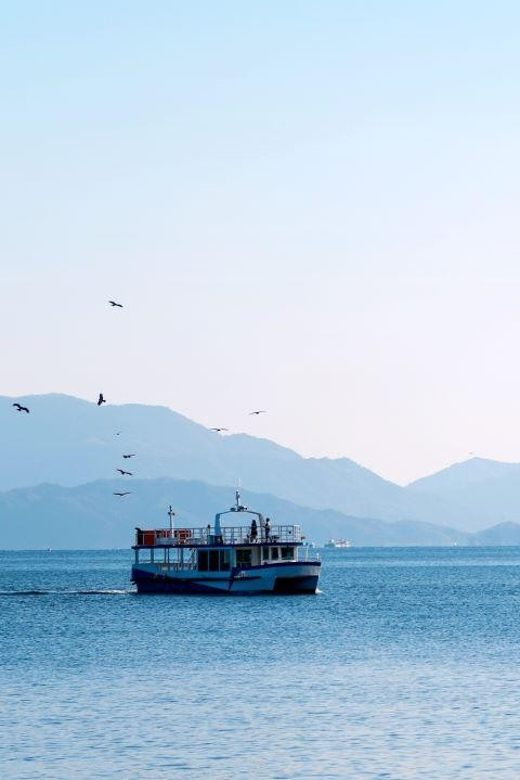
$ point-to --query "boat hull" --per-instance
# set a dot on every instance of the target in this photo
(283, 578)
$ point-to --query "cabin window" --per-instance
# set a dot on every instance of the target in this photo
(244, 557)
(287, 553)
(265, 553)
(214, 560)
(275, 553)
(225, 560)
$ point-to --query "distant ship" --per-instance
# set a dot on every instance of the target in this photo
(237, 559)
(338, 543)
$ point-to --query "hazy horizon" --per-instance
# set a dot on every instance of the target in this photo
(309, 209)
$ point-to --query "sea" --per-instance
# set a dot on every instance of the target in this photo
(404, 665)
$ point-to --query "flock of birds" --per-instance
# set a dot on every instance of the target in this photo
(102, 400)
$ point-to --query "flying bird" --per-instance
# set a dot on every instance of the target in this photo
(123, 472)
(21, 408)
(101, 400)
(118, 433)
(218, 430)
(127, 493)
(259, 411)
(115, 303)
(131, 455)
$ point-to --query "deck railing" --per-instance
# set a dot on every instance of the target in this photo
(230, 535)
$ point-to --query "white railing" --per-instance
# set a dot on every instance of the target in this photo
(186, 537)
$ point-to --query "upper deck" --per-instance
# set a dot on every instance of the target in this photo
(211, 536)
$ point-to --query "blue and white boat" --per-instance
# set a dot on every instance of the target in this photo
(246, 559)
(338, 543)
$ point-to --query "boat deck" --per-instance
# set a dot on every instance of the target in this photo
(228, 535)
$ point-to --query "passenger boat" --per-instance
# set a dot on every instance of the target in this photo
(338, 543)
(225, 559)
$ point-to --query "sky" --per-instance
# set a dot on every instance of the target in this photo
(305, 207)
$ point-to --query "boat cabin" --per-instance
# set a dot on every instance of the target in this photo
(218, 548)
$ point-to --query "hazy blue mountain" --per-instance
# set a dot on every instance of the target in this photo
(485, 492)
(507, 534)
(460, 476)
(89, 516)
(68, 441)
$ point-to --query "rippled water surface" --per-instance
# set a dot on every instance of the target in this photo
(405, 666)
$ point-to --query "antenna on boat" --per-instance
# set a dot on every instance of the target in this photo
(238, 506)
(171, 515)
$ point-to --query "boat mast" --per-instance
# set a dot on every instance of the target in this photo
(171, 514)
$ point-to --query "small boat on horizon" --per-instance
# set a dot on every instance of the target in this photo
(338, 543)
(217, 559)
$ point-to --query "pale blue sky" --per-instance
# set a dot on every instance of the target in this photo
(308, 207)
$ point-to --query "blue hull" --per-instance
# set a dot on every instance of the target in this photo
(161, 583)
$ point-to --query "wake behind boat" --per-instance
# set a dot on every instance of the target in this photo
(237, 559)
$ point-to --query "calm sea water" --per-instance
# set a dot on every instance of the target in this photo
(405, 666)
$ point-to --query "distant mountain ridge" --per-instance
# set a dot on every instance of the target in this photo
(90, 517)
(467, 473)
(69, 441)
(486, 491)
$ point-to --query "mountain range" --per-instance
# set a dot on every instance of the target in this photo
(66, 442)
(89, 517)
